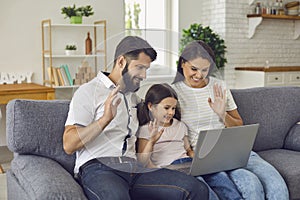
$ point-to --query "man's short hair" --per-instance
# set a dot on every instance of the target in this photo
(132, 46)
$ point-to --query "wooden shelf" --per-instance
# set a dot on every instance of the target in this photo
(66, 87)
(54, 50)
(74, 25)
(270, 69)
(255, 21)
(265, 16)
(74, 56)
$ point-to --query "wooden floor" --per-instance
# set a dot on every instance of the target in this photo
(5, 158)
(3, 187)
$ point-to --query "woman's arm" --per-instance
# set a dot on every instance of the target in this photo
(233, 118)
(229, 118)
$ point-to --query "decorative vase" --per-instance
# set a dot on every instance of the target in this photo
(76, 20)
(70, 52)
(88, 44)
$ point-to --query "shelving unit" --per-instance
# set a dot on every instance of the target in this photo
(56, 36)
(255, 21)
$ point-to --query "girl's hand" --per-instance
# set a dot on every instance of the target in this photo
(219, 103)
(153, 130)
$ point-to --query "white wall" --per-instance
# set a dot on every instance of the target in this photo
(20, 37)
(20, 23)
(273, 39)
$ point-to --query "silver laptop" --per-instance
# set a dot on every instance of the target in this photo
(220, 150)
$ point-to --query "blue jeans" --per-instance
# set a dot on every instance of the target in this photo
(219, 184)
(272, 182)
(247, 183)
(223, 186)
(182, 160)
(102, 182)
(259, 180)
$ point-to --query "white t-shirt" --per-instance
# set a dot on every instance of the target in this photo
(170, 146)
(195, 110)
(87, 106)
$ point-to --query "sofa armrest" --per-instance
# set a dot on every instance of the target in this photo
(292, 140)
(43, 178)
(36, 127)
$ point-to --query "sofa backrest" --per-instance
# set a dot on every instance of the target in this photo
(276, 109)
(36, 127)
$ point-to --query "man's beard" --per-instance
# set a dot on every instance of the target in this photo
(128, 82)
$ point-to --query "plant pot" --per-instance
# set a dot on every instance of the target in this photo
(76, 20)
(70, 52)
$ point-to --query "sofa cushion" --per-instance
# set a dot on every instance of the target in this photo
(36, 127)
(287, 164)
(292, 140)
(276, 109)
(44, 178)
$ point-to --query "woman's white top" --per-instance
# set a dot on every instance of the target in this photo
(195, 110)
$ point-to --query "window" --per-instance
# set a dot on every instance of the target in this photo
(153, 20)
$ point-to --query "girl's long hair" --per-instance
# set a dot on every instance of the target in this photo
(155, 95)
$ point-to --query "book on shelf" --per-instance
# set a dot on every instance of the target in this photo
(64, 76)
(60, 77)
(66, 68)
(52, 74)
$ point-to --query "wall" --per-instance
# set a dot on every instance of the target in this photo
(273, 39)
(21, 33)
(20, 24)
(20, 40)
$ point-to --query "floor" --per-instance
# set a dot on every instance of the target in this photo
(5, 158)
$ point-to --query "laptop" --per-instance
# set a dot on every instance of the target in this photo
(220, 150)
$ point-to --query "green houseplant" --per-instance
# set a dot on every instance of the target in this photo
(76, 14)
(206, 34)
(70, 49)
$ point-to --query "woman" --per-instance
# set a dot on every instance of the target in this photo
(207, 104)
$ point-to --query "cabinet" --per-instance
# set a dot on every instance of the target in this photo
(247, 77)
(255, 21)
(56, 36)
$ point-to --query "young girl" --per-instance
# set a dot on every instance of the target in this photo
(162, 137)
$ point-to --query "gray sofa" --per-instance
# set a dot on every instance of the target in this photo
(41, 170)
(277, 110)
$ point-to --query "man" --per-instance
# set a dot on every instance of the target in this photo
(101, 127)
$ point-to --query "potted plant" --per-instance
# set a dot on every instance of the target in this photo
(70, 49)
(76, 14)
(206, 34)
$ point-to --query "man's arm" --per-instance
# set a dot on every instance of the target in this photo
(75, 137)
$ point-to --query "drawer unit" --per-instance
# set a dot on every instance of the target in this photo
(247, 77)
(292, 78)
(274, 78)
